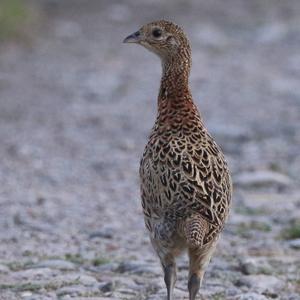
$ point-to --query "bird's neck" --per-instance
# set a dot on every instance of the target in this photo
(175, 98)
(175, 77)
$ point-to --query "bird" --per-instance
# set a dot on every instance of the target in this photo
(185, 182)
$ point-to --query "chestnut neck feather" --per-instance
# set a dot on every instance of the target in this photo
(175, 98)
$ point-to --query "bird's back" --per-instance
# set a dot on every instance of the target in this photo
(185, 183)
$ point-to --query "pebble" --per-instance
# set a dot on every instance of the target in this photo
(106, 233)
(106, 267)
(250, 296)
(56, 264)
(93, 298)
(72, 291)
(295, 244)
(4, 269)
(36, 273)
(26, 294)
(84, 279)
(253, 265)
(262, 179)
(261, 283)
(106, 286)
(138, 268)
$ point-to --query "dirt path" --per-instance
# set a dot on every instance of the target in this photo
(75, 110)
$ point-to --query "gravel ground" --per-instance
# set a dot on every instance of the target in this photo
(76, 106)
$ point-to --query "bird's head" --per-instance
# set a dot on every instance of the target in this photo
(164, 38)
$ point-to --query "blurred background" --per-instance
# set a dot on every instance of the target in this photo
(76, 107)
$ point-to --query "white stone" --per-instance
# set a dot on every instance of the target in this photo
(4, 269)
(26, 294)
(295, 244)
(56, 264)
(262, 178)
(262, 283)
(250, 296)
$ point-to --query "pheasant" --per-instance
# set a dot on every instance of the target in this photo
(185, 182)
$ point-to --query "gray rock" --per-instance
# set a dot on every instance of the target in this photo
(295, 244)
(72, 291)
(78, 290)
(106, 267)
(106, 233)
(261, 283)
(250, 296)
(262, 179)
(56, 264)
(125, 293)
(106, 286)
(293, 296)
(4, 269)
(26, 294)
(232, 291)
(35, 273)
(161, 294)
(137, 267)
(92, 298)
(83, 279)
(254, 265)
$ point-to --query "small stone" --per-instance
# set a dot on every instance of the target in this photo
(26, 294)
(83, 279)
(250, 296)
(35, 273)
(293, 296)
(261, 283)
(106, 233)
(232, 291)
(125, 292)
(252, 265)
(106, 287)
(4, 269)
(106, 267)
(78, 289)
(56, 264)
(87, 280)
(262, 179)
(72, 291)
(96, 298)
(295, 244)
(137, 268)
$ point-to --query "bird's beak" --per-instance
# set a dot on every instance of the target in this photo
(133, 38)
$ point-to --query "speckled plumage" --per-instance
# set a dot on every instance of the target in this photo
(185, 182)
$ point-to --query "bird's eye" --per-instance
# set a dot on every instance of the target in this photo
(156, 32)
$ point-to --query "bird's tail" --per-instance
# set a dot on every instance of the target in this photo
(195, 229)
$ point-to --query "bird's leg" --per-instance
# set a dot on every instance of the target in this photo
(199, 259)
(170, 279)
(194, 285)
(169, 268)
